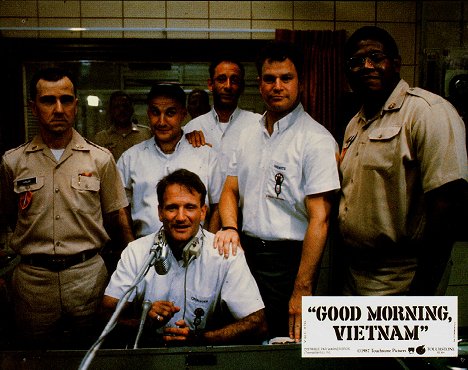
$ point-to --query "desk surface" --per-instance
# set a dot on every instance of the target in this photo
(220, 357)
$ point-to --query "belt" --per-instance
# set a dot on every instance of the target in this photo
(252, 242)
(58, 262)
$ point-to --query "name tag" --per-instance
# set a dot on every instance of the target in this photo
(26, 182)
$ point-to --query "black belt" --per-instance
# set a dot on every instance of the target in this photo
(248, 241)
(58, 262)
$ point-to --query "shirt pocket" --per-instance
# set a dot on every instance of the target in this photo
(282, 178)
(198, 308)
(380, 151)
(86, 193)
(28, 190)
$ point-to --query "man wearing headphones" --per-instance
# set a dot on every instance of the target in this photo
(194, 286)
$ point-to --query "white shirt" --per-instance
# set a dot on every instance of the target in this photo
(144, 164)
(275, 174)
(211, 280)
(224, 136)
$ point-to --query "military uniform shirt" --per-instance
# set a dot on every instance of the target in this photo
(60, 204)
(416, 144)
(118, 143)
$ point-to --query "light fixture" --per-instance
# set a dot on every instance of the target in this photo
(93, 101)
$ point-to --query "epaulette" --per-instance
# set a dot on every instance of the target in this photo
(428, 96)
(105, 150)
(22, 146)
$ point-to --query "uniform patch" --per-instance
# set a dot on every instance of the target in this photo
(25, 200)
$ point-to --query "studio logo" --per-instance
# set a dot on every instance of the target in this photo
(419, 350)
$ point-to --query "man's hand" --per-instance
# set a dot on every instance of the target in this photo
(197, 139)
(162, 311)
(295, 316)
(179, 334)
(225, 240)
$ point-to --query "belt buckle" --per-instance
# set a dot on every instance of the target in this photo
(59, 264)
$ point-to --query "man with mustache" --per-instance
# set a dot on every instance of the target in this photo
(144, 164)
(404, 170)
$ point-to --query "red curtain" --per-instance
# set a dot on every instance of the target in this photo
(324, 79)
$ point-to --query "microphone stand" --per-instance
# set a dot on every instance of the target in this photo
(120, 306)
(146, 307)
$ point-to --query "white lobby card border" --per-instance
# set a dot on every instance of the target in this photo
(388, 326)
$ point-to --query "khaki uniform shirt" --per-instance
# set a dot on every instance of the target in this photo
(60, 204)
(414, 145)
(118, 143)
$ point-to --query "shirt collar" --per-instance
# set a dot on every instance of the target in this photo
(113, 130)
(77, 143)
(287, 121)
(152, 141)
(233, 116)
(394, 102)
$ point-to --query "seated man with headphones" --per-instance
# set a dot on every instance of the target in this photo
(191, 286)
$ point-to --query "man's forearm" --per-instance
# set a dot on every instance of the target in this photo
(439, 236)
(228, 210)
(251, 329)
(214, 222)
(119, 226)
(312, 250)
(125, 223)
(319, 209)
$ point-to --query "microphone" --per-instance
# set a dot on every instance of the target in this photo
(162, 263)
(145, 308)
(199, 312)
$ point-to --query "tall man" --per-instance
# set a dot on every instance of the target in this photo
(199, 284)
(404, 168)
(222, 125)
(144, 164)
(56, 191)
(122, 133)
(284, 173)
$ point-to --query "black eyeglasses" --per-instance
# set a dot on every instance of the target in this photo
(356, 63)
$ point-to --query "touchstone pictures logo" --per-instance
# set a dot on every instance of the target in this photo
(419, 350)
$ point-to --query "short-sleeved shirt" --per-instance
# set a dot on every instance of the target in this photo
(414, 145)
(118, 143)
(60, 203)
(212, 281)
(144, 164)
(224, 136)
(275, 174)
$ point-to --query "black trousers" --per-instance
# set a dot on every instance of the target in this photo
(274, 265)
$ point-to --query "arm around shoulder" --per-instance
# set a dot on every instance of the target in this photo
(228, 210)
